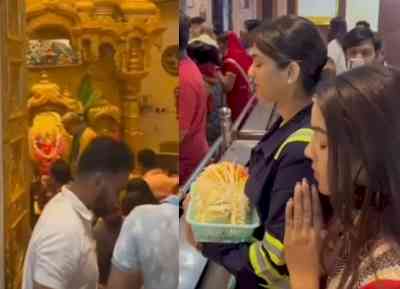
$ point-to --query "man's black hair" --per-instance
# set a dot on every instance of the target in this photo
(357, 36)
(106, 155)
(147, 158)
(138, 193)
(363, 23)
(202, 53)
(60, 172)
(337, 29)
(252, 24)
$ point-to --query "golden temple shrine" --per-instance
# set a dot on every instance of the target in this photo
(112, 62)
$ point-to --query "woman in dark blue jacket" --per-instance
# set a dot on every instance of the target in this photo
(289, 56)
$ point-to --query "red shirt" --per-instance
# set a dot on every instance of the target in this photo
(238, 62)
(240, 94)
(192, 118)
(209, 70)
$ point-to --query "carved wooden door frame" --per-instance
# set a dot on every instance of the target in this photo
(14, 164)
(2, 199)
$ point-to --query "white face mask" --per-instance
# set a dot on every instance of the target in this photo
(355, 62)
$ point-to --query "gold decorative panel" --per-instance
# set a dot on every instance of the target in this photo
(14, 22)
(17, 218)
(15, 91)
(16, 165)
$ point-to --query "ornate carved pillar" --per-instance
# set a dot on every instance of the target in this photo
(144, 22)
(133, 135)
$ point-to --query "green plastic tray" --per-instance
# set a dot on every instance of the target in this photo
(220, 233)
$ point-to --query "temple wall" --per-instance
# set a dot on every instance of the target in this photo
(162, 127)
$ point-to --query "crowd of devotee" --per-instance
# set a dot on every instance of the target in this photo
(324, 179)
(224, 62)
(109, 222)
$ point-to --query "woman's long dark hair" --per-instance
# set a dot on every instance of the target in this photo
(363, 125)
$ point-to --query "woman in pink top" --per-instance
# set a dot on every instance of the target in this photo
(192, 109)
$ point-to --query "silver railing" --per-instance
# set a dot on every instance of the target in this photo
(228, 134)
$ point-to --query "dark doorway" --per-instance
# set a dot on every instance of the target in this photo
(389, 28)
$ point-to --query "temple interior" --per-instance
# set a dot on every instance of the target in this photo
(114, 62)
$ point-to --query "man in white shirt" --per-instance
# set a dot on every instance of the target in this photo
(335, 52)
(62, 251)
(147, 250)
